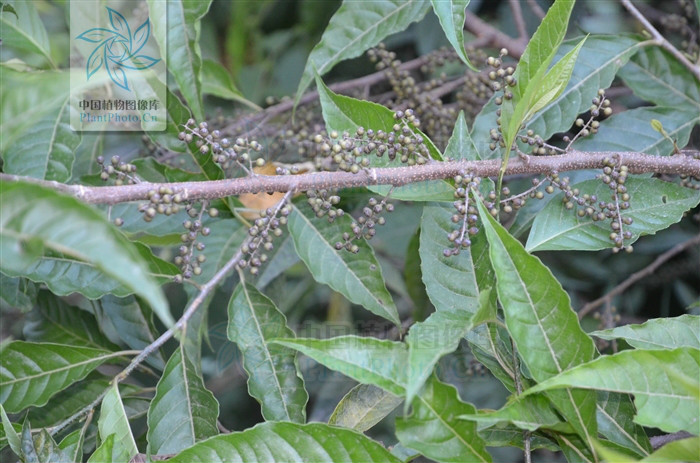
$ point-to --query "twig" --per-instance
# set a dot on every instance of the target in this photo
(519, 20)
(204, 292)
(539, 12)
(660, 39)
(659, 441)
(155, 345)
(635, 277)
(682, 164)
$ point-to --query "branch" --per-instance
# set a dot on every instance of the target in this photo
(638, 163)
(659, 441)
(635, 277)
(496, 38)
(284, 106)
(519, 20)
(661, 40)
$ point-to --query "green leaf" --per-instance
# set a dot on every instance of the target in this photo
(10, 432)
(68, 401)
(414, 279)
(342, 113)
(65, 274)
(132, 322)
(281, 258)
(41, 448)
(36, 217)
(461, 145)
(105, 453)
(433, 428)
(177, 23)
(654, 205)
(615, 417)
(274, 379)
(21, 110)
(24, 30)
(680, 450)
(363, 407)
(355, 27)
(659, 333)
(452, 286)
(450, 281)
(630, 131)
(543, 45)
(222, 243)
(285, 442)
(217, 81)
(52, 320)
(529, 412)
(16, 293)
(358, 277)
(490, 345)
(509, 436)
(47, 151)
(451, 16)
(113, 421)
(183, 410)
(541, 322)
(656, 76)
(364, 359)
(72, 445)
(598, 62)
(574, 448)
(532, 67)
(555, 81)
(33, 372)
(664, 383)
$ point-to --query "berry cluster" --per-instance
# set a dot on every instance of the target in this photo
(365, 224)
(349, 151)
(501, 78)
(408, 92)
(466, 215)
(118, 169)
(684, 23)
(600, 107)
(690, 181)
(586, 205)
(225, 152)
(262, 233)
(162, 201)
(323, 202)
(614, 175)
(187, 259)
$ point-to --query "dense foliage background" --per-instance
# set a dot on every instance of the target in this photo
(412, 348)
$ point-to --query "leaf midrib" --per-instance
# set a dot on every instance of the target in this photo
(268, 357)
(67, 367)
(335, 253)
(451, 428)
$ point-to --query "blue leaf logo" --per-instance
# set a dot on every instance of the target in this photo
(118, 48)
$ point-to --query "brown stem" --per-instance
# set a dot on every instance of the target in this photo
(519, 20)
(496, 38)
(682, 164)
(635, 277)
